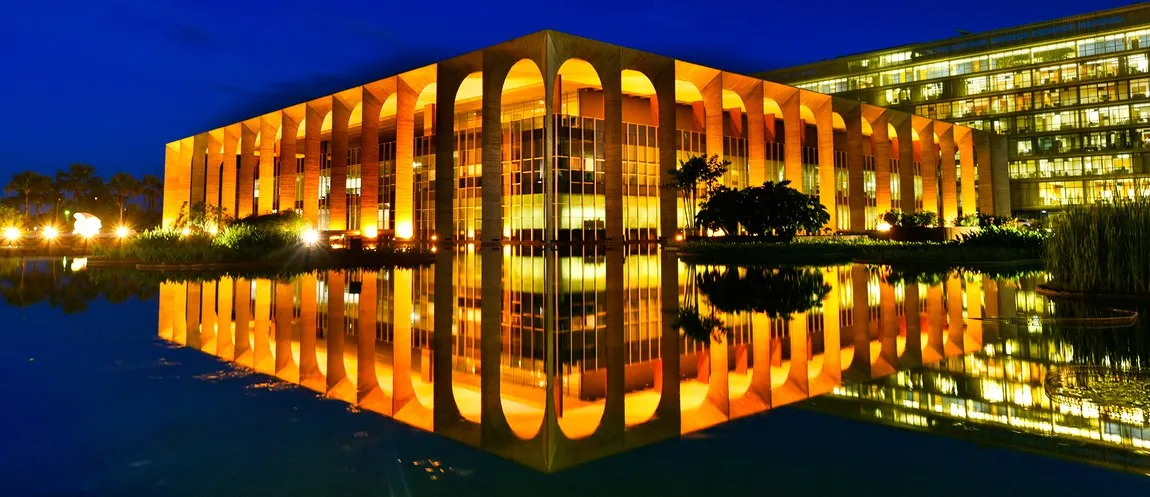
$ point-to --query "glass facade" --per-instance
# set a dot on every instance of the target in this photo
(1076, 103)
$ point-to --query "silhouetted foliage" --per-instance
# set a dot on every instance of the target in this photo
(778, 292)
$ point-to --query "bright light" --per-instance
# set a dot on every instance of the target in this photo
(79, 264)
(186, 231)
(122, 232)
(86, 225)
(403, 230)
(370, 232)
(883, 226)
(11, 234)
(679, 237)
(49, 233)
(310, 237)
(213, 230)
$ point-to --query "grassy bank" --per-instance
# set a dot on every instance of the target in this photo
(1101, 249)
(990, 246)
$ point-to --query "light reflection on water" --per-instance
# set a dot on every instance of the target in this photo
(556, 358)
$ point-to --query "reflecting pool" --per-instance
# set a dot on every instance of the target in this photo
(499, 371)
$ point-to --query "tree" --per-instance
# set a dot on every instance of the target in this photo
(689, 176)
(198, 218)
(777, 211)
(28, 183)
(9, 217)
(75, 181)
(151, 188)
(722, 211)
(123, 188)
(777, 292)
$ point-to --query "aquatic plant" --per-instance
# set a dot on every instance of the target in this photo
(1101, 248)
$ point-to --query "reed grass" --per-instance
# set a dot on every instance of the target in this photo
(1101, 248)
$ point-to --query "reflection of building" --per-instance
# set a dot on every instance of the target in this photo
(1072, 94)
(560, 358)
(424, 153)
(996, 394)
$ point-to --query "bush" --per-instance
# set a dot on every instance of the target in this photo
(240, 242)
(969, 220)
(1003, 236)
(910, 219)
(773, 211)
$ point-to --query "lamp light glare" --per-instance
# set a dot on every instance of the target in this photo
(122, 232)
(310, 237)
(49, 233)
(11, 234)
(883, 226)
(186, 231)
(370, 232)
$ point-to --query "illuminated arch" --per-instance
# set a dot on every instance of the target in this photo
(522, 104)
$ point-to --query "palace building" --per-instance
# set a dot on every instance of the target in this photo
(551, 137)
(1072, 95)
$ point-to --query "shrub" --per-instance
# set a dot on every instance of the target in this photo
(910, 219)
(1003, 236)
(968, 220)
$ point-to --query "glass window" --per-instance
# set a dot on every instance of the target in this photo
(1053, 53)
(1013, 58)
(1140, 88)
(1097, 69)
(932, 71)
(1054, 121)
(1140, 113)
(930, 91)
(1053, 75)
(1106, 116)
(1055, 98)
(1136, 64)
(1101, 45)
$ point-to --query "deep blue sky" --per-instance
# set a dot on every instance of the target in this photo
(110, 82)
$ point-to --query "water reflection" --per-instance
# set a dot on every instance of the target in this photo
(552, 358)
(60, 284)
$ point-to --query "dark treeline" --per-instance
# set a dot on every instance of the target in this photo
(34, 199)
(25, 282)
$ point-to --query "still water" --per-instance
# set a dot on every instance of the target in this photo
(568, 372)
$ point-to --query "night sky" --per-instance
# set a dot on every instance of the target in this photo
(109, 83)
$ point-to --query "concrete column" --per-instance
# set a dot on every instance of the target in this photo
(856, 197)
(199, 167)
(712, 93)
(313, 125)
(340, 113)
(756, 137)
(369, 166)
(981, 144)
(269, 126)
(902, 125)
(788, 100)
(965, 139)
(230, 175)
(405, 159)
(185, 160)
(882, 155)
(290, 120)
(949, 173)
(611, 79)
(824, 120)
(491, 181)
(929, 165)
(248, 164)
(664, 83)
(449, 75)
(999, 175)
(215, 156)
(175, 194)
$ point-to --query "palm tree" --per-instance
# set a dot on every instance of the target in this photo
(27, 183)
(123, 187)
(75, 180)
(152, 188)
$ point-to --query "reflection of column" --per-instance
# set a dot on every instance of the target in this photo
(863, 366)
(613, 421)
(208, 311)
(949, 175)
(284, 314)
(310, 375)
(243, 346)
(935, 320)
(880, 135)
(888, 324)
(446, 414)
(168, 291)
(990, 302)
(955, 324)
(974, 339)
(405, 158)
(912, 351)
(797, 384)
(340, 114)
(180, 316)
(667, 383)
(368, 394)
(193, 330)
(225, 339)
(269, 125)
(338, 385)
(831, 373)
(492, 419)
(246, 182)
(262, 359)
(401, 305)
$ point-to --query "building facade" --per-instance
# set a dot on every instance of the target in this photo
(551, 138)
(1072, 95)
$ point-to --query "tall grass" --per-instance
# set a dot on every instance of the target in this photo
(1101, 248)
